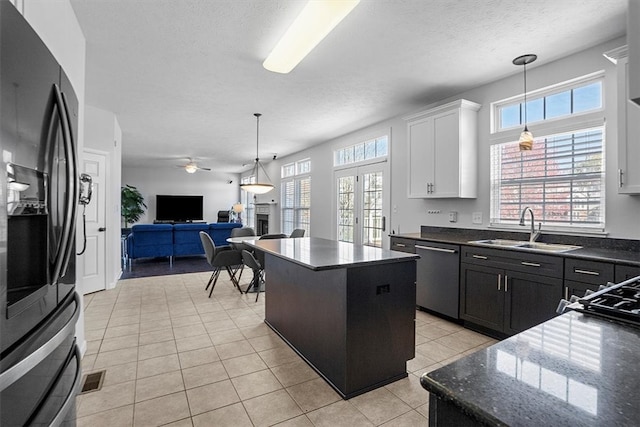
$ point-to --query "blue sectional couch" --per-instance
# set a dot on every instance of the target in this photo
(169, 240)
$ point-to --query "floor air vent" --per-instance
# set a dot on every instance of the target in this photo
(92, 382)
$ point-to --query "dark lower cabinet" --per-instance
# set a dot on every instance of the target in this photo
(625, 272)
(444, 413)
(529, 300)
(507, 301)
(481, 296)
(581, 275)
(578, 289)
(497, 292)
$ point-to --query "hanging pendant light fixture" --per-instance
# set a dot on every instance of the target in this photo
(258, 187)
(526, 137)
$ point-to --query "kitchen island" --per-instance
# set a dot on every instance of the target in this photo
(573, 370)
(348, 310)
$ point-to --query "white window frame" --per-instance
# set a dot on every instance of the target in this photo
(552, 123)
(349, 153)
(558, 125)
(295, 174)
(248, 200)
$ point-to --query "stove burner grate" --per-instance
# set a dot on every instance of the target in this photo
(619, 301)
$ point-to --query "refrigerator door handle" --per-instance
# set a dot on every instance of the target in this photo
(71, 398)
(18, 370)
(73, 178)
(62, 253)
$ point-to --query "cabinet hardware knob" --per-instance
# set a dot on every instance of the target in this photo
(499, 280)
(479, 256)
(401, 245)
(506, 283)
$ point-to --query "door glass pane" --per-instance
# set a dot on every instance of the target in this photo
(346, 206)
(372, 209)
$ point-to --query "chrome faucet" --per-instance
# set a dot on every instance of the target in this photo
(534, 234)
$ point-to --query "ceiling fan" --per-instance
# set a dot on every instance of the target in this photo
(192, 167)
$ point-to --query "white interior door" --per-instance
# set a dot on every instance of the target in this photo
(94, 258)
(362, 205)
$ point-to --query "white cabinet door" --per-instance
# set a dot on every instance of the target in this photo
(628, 125)
(421, 147)
(633, 40)
(443, 151)
(446, 165)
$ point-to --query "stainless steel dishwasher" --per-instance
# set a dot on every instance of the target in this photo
(437, 280)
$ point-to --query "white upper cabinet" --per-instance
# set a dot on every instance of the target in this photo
(628, 129)
(633, 41)
(443, 151)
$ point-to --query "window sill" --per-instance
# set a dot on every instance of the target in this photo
(581, 232)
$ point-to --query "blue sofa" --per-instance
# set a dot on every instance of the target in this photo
(169, 240)
(186, 238)
(150, 241)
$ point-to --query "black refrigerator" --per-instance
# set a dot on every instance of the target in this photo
(39, 306)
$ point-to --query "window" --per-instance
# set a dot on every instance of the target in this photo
(562, 178)
(247, 201)
(296, 196)
(555, 103)
(362, 151)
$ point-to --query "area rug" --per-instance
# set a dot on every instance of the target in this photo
(147, 267)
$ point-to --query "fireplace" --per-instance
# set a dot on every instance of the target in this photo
(262, 224)
(265, 213)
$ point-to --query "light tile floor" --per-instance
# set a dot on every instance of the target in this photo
(175, 357)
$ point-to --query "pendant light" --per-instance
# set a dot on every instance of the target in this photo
(526, 137)
(258, 187)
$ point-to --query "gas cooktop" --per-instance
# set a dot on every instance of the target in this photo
(620, 301)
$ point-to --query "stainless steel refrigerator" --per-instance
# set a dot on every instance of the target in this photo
(39, 306)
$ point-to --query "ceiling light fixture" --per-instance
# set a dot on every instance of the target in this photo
(258, 187)
(316, 20)
(191, 168)
(526, 137)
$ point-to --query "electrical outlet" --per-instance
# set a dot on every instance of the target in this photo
(477, 218)
(453, 216)
(433, 211)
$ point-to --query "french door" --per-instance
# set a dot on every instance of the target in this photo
(362, 204)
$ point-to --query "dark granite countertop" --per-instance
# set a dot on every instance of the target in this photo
(322, 254)
(593, 248)
(573, 370)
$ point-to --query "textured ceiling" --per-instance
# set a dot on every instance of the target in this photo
(185, 77)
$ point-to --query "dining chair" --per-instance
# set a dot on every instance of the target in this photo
(258, 272)
(298, 232)
(273, 236)
(229, 259)
(242, 232)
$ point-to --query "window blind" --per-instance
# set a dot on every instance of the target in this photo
(561, 179)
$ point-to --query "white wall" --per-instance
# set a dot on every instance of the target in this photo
(408, 215)
(103, 133)
(218, 193)
(56, 24)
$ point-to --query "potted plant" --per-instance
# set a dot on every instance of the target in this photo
(132, 205)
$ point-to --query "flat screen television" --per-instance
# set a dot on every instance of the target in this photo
(179, 208)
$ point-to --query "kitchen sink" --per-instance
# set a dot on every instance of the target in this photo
(500, 242)
(549, 247)
(520, 244)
